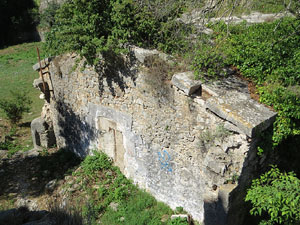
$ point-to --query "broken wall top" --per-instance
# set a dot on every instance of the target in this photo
(230, 99)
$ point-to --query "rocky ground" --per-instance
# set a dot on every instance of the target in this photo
(33, 183)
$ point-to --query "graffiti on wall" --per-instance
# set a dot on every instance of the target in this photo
(164, 159)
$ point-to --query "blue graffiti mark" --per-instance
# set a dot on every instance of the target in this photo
(164, 160)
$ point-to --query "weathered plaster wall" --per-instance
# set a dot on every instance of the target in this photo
(164, 140)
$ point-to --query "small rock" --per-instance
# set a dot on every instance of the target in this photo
(114, 206)
(31, 153)
(71, 189)
(13, 194)
(51, 185)
(68, 177)
(164, 218)
(108, 173)
(76, 186)
(29, 203)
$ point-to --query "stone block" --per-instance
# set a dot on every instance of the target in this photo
(185, 82)
(141, 53)
(224, 194)
(44, 63)
(231, 127)
(41, 136)
(248, 115)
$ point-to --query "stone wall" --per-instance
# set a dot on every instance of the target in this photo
(164, 139)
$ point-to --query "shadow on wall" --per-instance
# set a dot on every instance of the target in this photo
(231, 209)
(214, 213)
(238, 209)
(114, 68)
(76, 132)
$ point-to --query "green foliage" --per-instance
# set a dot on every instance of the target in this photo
(16, 106)
(276, 195)
(208, 61)
(97, 26)
(269, 55)
(134, 206)
(141, 208)
(178, 221)
(265, 52)
(98, 161)
(287, 103)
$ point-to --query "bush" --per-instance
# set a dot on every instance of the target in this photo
(15, 107)
(277, 196)
(268, 54)
(97, 26)
(208, 61)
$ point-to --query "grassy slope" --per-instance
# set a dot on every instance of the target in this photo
(16, 74)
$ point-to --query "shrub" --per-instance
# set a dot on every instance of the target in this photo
(276, 195)
(96, 26)
(15, 107)
(208, 61)
(268, 54)
(92, 164)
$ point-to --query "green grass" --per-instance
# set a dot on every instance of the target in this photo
(102, 184)
(16, 73)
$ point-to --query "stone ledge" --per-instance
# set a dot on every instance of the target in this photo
(44, 63)
(231, 101)
(248, 115)
(185, 82)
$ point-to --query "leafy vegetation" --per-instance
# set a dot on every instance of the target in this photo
(16, 106)
(269, 55)
(92, 27)
(114, 199)
(276, 195)
(16, 74)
